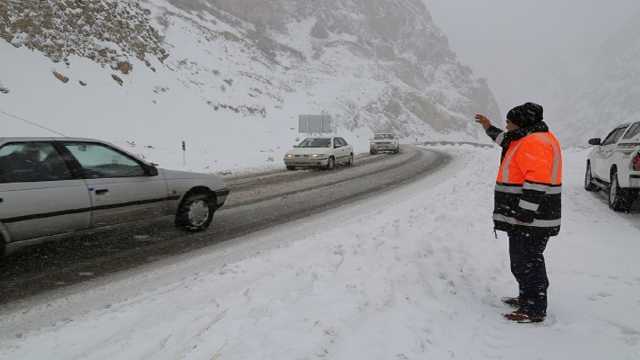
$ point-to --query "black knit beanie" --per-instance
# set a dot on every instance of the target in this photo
(526, 115)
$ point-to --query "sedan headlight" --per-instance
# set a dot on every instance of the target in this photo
(319, 156)
(289, 156)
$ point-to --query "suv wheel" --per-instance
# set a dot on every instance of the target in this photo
(195, 213)
(588, 180)
(619, 199)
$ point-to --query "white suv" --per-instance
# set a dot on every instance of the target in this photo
(614, 165)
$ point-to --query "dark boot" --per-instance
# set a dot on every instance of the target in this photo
(514, 302)
(521, 317)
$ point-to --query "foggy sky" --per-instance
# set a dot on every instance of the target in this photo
(529, 50)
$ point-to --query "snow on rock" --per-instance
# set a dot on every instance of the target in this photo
(415, 273)
(231, 77)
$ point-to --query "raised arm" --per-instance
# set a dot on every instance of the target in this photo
(493, 132)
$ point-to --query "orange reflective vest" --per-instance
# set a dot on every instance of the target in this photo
(528, 193)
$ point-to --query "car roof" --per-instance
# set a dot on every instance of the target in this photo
(5, 140)
(58, 138)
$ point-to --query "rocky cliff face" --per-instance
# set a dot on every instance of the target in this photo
(207, 68)
(424, 84)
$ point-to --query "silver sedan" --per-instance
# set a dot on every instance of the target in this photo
(56, 186)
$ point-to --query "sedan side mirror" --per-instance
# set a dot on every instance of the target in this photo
(151, 170)
(595, 142)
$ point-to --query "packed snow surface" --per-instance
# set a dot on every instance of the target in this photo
(415, 273)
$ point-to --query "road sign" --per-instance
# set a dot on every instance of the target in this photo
(315, 124)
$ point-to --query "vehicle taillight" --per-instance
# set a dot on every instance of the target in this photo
(635, 163)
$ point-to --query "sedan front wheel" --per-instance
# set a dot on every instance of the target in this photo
(331, 163)
(195, 213)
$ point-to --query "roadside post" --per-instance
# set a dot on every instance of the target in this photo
(184, 153)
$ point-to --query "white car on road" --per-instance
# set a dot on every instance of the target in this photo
(319, 152)
(384, 142)
(55, 186)
(614, 165)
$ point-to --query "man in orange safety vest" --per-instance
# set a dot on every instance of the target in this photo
(527, 202)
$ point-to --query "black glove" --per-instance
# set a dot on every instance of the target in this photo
(524, 216)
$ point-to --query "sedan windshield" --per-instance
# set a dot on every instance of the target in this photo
(315, 143)
(383, 136)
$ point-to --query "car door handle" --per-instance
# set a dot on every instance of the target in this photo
(101, 191)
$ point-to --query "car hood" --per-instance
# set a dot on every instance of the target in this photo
(309, 151)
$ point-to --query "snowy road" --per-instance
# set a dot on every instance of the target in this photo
(257, 201)
(414, 273)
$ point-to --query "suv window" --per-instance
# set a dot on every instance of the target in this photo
(32, 162)
(633, 131)
(614, 136)
(100, 161)
(344, 142)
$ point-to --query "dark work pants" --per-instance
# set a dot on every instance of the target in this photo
(527, 265)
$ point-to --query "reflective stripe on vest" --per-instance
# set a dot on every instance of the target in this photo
(536, 223)
(528, 205)
(506, 164)
(509, 189)
(550, 190)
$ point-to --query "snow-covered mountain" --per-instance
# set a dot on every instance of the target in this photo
(230, 77)
(609, 93)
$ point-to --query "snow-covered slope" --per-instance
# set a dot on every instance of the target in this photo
(609, 93)
(230, 77)
(413, 274)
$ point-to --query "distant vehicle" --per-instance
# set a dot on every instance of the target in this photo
(614, 165)
(319, 152)
(384, 142)
(56, 186)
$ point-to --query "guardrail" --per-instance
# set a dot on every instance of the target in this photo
(444, 142)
